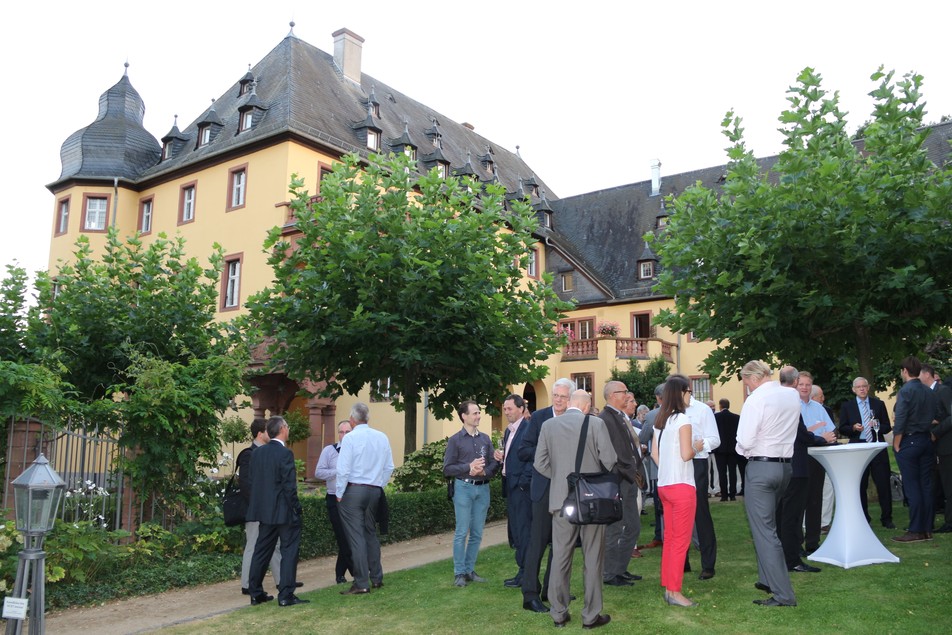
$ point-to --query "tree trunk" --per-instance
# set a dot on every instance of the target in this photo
(410, 398)
(864, 356)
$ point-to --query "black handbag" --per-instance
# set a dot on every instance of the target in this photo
(234, 507)
(593, 499)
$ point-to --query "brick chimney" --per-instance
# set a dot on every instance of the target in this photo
(347, 48)
(655, 177)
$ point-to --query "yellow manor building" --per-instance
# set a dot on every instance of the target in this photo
(224, 179)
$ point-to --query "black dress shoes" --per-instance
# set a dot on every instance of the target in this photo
(706, 574)
(355, 590)
(619, 581)
(601, 620)
(568, 618)
(536, 606)
(245, 591)
(888, 524)
(771, 602)
(261, 599)
(376, 585)
(631, 577)
(762, 587)
(804, 568)
(298, 585)
(513, 583)
(293, 600)
(341, 579)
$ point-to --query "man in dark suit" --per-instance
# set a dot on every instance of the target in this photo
(857, 419)
(726, 453)
(555, 459)
(621, 537)
(259, 437)
(274, 504)
(942, 433)
(540, 531)
(517, 476)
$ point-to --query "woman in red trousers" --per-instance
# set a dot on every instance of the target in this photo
(673, 451)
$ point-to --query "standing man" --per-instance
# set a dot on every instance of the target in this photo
(942, 434)
(259, 437)
(472, 461)
(647, 438)
(621, 537)
(705, 426)
(326, 471)
(765, 435)
(540, 533)
(555, 459)
(274, 504)
(817, 421)
(793, 500)
(916, 409)
(363, 469)
(726, 455)
(516, 478)
(856, 419)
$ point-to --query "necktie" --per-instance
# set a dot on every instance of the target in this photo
(867, 429)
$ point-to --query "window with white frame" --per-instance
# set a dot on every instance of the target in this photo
(645, 269)
(641, 325)
(145, 216)
(247, 118)
(62, 217)
(568, 281)
(239, 179)
(187, 204)
(584, 381)
(231, 290)
(380, 390)
(701, 388)
(532, 269)
(96, 213)
(204, 135)
(442, 169)
(373, 140)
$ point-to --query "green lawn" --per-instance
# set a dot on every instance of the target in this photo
(910, 597)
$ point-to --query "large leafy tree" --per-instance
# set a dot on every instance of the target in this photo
(836, 259)
(410, 279)
(133, 331)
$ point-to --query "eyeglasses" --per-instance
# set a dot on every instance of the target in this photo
(688, 390)
(618, 392)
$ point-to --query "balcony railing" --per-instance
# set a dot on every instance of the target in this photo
(624, 348)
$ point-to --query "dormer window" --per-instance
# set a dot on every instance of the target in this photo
(410, 151)
(373, 140)
(167, 150)
(645, 270)
(247, 119)
(245, 89)
(547, 220)
(443, 169)
(204, 135)
(662, 221)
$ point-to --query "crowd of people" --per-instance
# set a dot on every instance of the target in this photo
(671, 452)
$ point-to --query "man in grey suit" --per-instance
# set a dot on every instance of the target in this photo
(555, 459)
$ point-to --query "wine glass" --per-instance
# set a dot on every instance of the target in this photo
(874, 423)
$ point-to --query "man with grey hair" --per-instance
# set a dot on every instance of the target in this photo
(621, 537)
(540, 529)
(765, 435)
(363, 469)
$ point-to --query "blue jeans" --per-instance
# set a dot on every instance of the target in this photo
(470, 502)
(916, 459)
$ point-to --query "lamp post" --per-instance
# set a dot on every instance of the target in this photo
(37, 496)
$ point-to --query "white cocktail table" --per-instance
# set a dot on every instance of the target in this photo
(851, 541)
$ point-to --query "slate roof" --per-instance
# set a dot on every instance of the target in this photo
(302, 93)
(115, 144)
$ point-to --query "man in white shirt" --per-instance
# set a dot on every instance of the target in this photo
(363, 469)
(765, 435)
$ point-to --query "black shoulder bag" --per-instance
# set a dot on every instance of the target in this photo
(593, 499)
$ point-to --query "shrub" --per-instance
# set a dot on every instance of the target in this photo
(422, 470)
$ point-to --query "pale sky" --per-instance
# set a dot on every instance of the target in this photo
(590, 92)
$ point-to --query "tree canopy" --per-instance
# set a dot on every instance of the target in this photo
(411, 283)
(835, 257)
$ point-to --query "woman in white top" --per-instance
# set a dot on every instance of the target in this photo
(673, 450)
